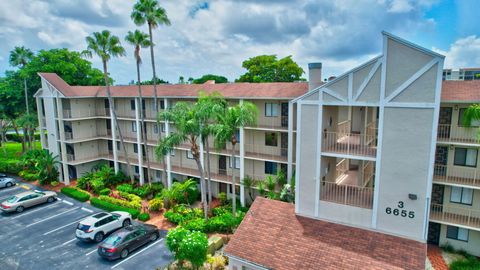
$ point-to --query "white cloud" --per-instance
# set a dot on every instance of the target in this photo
(464, 52)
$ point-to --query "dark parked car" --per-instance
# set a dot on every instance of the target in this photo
(126, 240)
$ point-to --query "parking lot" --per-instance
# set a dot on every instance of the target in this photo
(43, 237)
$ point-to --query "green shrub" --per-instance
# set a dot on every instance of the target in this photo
(142, 191)
(155, 204)
(181, 213)
(222, 197)
(128, 188)
(143, 217)
(470, 263)
(188, 245)
(29, 176)
(10, 166)
(196, 224)
(224, 223)
(76, 193)
(97, 184)
(109, 206)
(131, 198)
(156, 188)
(105, 191)
(123, 203)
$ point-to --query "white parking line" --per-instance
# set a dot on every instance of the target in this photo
(69, 241)
(86, 210)
(91, 252)
(45, 219)
(159, 241)
(9, 189)
(67, 202)
(36, 210)
(59, 228)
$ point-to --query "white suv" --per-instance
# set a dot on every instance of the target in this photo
(95, 227)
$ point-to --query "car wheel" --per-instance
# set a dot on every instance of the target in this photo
(20, 209)
(50, 199)
(9, 184)
(98, 237)
(153, 237)
(126, 223)
(124, 253)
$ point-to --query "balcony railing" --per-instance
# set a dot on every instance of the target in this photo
(70, 157)
(92, 112)
(449, 133)
(455, 215)
(349, 143)
(68, 135)
(259, 151)
(457, 175)
(341, 168)
(346, 194)
(275, 123)
(368, 173)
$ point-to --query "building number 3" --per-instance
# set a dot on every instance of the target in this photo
(400, 211)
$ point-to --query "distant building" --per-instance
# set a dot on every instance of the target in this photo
(462, 74)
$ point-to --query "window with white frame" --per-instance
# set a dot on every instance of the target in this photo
(137, 170)
(155, 128)
(461, 195)
(172, 153)
(135, 148)
(134, 127)
(189, 154)
(271, 109)
(465, 157)
(162, 126)
(457, 233)
(270, 167)
(132, 104)
(159, 174)
(237, 162)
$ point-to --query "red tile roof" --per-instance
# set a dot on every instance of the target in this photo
(461, 91)
(228, 90)
(271, 235)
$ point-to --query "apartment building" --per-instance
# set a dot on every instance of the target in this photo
(77, 126)
(462, 74)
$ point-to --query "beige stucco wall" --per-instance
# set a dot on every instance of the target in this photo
(472, 246)
(475, 202)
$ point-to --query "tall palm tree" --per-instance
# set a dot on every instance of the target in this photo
(150, 12)
(207, 107)
(105, 45)
(140, 40)
(187, 129)
(228, 123)
(19, 57)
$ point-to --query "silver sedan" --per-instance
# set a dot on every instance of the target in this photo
(19, 202)
(6, 181)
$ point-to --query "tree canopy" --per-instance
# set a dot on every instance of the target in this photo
(69, 65)
(267, 68)
(210, 77)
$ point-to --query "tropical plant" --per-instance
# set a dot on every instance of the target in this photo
(262, 188)
(105, 45)
(19, 57)
(270, 182)
(248, 182)
(46, 167)
(228, 123)
(188, 245)
(140, 40)
(188, 129)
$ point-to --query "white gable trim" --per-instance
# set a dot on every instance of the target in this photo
(367, 79)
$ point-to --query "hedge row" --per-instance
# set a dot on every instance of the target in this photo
(108, 206)
(18, 138)
(75, 193)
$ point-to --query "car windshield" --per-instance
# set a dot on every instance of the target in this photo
(83, 227)
(41, 193)
(12, 199)
(113, 240)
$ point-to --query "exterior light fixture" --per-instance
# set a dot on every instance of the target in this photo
(412, 197)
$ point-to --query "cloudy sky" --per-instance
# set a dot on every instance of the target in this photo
(215, 36)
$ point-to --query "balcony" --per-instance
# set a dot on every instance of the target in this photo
(455, 216)
(350, 143)
(346, 194)
(463, 176)
(71, 138)
(262, 152)
(279, 123)
(89, 113)
(454, 134)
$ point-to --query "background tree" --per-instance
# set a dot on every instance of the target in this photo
(19, 57)
(228, 123)
(187, 129)
(266, 68)
(210, 77)
(105, 45)
(140, 40)
(158, 81)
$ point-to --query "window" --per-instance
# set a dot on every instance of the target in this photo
(143, 104)
(162, 126)
(465, 157)
(271, 109)
(461, 195)
(155, 128)
(237, 134)
(162, 104)
(189, 154)
(461, 112)
(134, 127)
(118, 146)
(172, 153)
(270, 167)
(237, 162)
(159, 174)
(132, 104)
(271, 139)
(135, 148)
(457, 233)
(137, 170)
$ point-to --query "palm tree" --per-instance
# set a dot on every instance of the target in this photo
(46, 165)
(248, 182)
(188, 129)
(207, 108)
(105, 45)
(140, 40)
(19, 57)
(228, 123)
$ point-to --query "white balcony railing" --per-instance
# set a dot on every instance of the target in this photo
(70, 157)
(368, 173)
(260, 151)
(349, 143)
(449, 133)
(344, 127)
(346, 194)
(341, 168)
(455, 215)
(457, 175)
(68, 135)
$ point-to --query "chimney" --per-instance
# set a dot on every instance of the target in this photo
(209, 82)
(314, 75)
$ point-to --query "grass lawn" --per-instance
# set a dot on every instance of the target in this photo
(13, 150)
